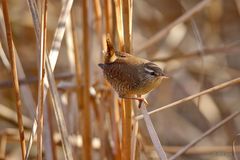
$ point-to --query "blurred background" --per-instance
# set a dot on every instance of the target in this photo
(197, 53)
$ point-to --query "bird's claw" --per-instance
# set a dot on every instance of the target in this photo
(142, 100)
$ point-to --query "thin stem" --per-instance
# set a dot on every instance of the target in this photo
(224, 49)
(215, 88)
(33, 80)
(53, 55)
(86, 126)
(158, 36)
(14, 76)
(41, 80)
(153, 134)
(208, 132)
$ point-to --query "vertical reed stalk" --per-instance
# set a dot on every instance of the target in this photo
(14, 76)
(41, 77)
(51, 128)
(127, 108)
(78, 71)
(115, 124)
(108, 16)
(77, 61)
(126, 129)
(86, 126)
(119, 20)
(98, 16)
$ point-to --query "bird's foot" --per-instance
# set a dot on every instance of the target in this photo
(140, 99)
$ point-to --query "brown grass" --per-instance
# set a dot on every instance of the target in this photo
(84, 117)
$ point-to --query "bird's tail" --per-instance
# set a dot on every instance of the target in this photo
(110, 55)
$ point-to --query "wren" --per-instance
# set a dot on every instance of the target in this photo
(130, 75)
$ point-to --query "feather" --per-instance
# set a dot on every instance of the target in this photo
(101, 65)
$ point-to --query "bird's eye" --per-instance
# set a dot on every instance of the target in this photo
(152, 73)
(149, 71)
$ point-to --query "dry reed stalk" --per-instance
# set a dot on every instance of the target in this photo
(98, 16)
(53, 56)
(224, 49)
(123, 29)
(57, 106)
(86, 125)
(215, 88)
(9, 115)
(77, 62)
(113, 111)
(202, 149)
(51, 129)
(25, 92)
(14, 76)
(126, 129)
(115, 119)
(108, 16)
(127, 108)
(158, 36)
(127, 24)
(134, 140)
(47, 142)
(3, 146)
(205, 134)
(99, 115)
(119, 21)
(153, 134)
(33, 80)
(78, 79)
(41, 78)
(235, 147)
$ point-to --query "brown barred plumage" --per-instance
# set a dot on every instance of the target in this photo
(130, 75)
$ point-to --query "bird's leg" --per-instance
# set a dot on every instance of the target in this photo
(139, 98)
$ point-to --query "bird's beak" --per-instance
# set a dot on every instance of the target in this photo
(165, 77)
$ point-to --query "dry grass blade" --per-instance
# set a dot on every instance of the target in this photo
(235, 147)
(14, 76)
(227, 49)
(33, 80)
(48, 142)
(59, 33)
(86, 125)
(57, 106)
(208, 132)
(153, 134)
(158, 36)
(77, 62)
(202, 53)
(41, 78)
(215, 88)
(10, 116)
(58, 36)
(201, 149)
(33, 9)
(26, 94)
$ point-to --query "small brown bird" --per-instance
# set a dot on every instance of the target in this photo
(130, 75)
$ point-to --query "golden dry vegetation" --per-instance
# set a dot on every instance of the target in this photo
(51, 67)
